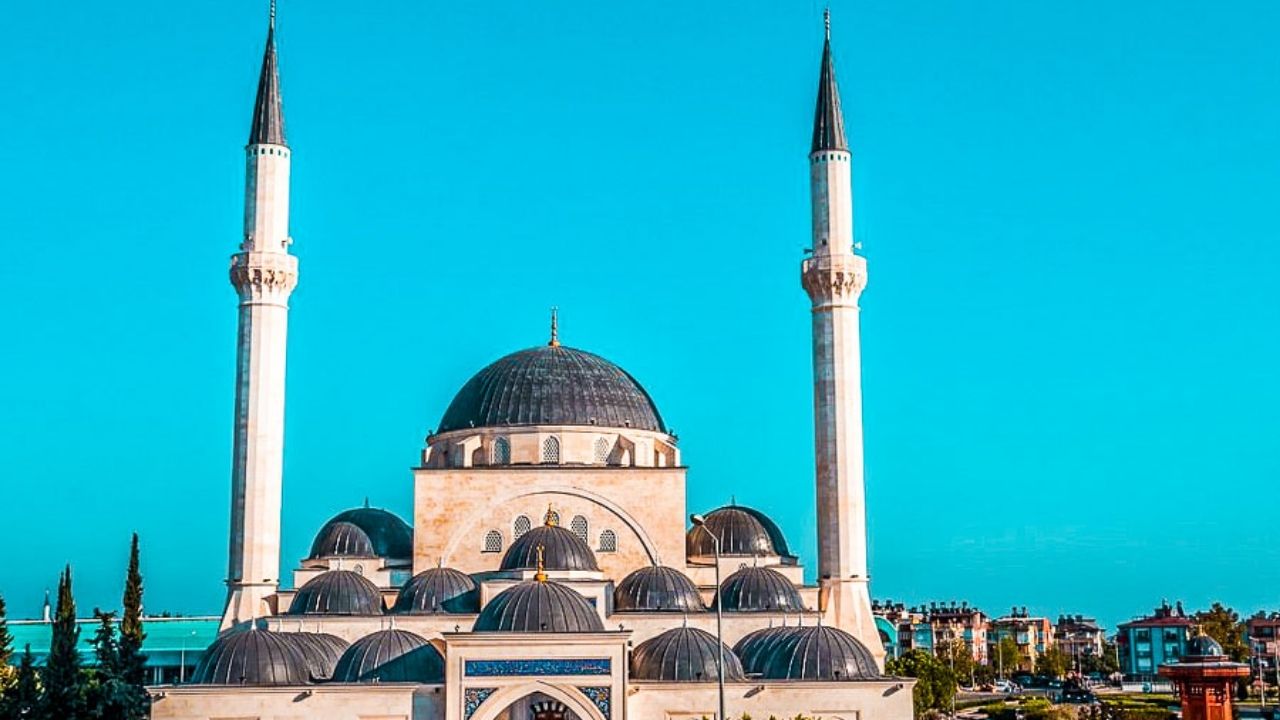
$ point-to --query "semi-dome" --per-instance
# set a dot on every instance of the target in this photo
(385, 533)
(320, 650)
(538, 606)
(754, 647)
(741, 534)
(552, 385)
(341, 539)
(252, 657)
(683, 654)
(657, 589)
(337, 592)
(562, 550)
(819, 653)
(390, 656)
(438, 590)
(759, 589)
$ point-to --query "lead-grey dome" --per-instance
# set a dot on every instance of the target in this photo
(438, 590)
(683, 654)
(251, 657)
(759, 589)
(754, 647)
(657, 589)
(384, 532)
(390, 656)
(562, 550)
(552, 385)
(337, 592)
(818, 653)
(740, 531)
(538, 606)
(1204, 646)
(320, 650)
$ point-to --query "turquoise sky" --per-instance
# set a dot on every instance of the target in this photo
(1069, 210)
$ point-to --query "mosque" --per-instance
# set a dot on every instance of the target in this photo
(552, 570)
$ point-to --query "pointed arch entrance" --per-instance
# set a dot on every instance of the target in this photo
(569, 702)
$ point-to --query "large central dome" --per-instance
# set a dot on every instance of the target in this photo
(552, 385)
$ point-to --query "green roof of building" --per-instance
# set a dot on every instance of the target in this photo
(167, 639)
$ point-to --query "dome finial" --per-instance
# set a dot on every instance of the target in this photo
(550, 518)
(272, 20)
(366, 501)
(541, 574)
(826, 21)
(555, 327)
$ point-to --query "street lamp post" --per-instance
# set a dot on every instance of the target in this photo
(701, 523)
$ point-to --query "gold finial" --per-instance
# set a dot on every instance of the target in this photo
(550, 518)
(555, 327)
(541, 574)
(826, 21)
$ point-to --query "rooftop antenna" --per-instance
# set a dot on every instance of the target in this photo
(555, 327)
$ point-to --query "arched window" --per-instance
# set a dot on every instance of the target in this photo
(602, 450)
(551, 450)
(608, 541)
(501, 451)
(492, 542)
(579, 526)
(521, 526)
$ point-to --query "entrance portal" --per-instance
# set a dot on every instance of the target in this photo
(537, 707)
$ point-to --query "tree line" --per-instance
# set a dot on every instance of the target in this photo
(65, 688)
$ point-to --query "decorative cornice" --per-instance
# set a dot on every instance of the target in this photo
(834, 279)
(258, 275)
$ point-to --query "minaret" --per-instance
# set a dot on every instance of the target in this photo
(834, 277)
(264, 274)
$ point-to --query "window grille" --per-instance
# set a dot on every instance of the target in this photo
(608, 541)
(551, 450)
(501, 452)
(521, 526)
(602, 450)
(493, 542)
(579, 526)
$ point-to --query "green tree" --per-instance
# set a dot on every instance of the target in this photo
(1005, 656)
(1104, 664)
(105, 692)
(23, 698)
(1053, 662)
(62, 678)
(935, 683)
(6, 652)
(959, 658)
(1224, 625)
(132, 662)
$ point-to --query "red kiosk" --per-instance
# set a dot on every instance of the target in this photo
(1205, 677)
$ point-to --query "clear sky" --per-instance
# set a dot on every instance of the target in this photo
(1069, 210)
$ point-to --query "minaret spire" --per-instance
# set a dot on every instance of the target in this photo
(268, 108)
(555, 327)
(828, 120)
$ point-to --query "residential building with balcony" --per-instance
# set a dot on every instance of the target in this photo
(1148, 642)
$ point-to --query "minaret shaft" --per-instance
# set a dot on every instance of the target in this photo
(834, 277)
(263, 274)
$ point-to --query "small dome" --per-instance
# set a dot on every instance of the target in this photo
(438, 590)
(337, 592)
(683, 654)
(385, 532)
(538, 606)
(741, 535)
(251, 657)
(552, 385)
(819, 653)
(759, 589)
(562, 550)
(1204, 646)
(341, 539)
(390, 656)
(754, 647)
(657, 589)
(320, 650)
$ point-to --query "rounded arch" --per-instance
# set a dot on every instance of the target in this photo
(466, 529)
(493, 706)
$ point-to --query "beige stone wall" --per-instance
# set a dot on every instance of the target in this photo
(871, 700)
(330, 702)
(455, 508)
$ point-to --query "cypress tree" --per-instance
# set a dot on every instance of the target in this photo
(23, 698)
(132, 663)
(105, 695)
(6, 652)
(62, 678)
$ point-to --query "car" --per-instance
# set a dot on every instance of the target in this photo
(1008, 687)
(1078, 696)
